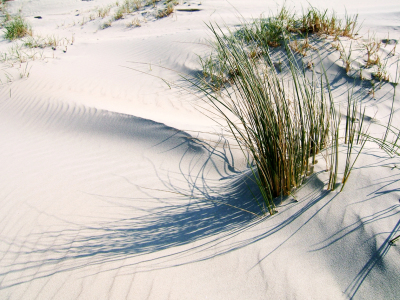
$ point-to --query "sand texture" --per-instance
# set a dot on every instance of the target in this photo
(113, 187)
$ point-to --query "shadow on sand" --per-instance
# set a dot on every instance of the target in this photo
(212, 211)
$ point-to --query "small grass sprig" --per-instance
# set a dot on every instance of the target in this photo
(352, 135)
(372, 47)
(394, 84)
(103, 12)
(346, 57)
(134, 23)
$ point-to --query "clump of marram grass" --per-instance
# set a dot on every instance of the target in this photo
(103, 11)
(280, 123)
(372, 47)
(106, 24)
(134, 23)
(17, 28)
(273, 30)
(152, 2)
(282, 120)
(169, 9)
(135, 4)
(320, 22)
(119, 14)
(129, 6)
(162, 9)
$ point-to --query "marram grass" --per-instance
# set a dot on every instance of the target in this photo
(281, 118)
(283, 28)
(16, 28)
(280, 122)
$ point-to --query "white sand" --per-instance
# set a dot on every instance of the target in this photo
(98, 165)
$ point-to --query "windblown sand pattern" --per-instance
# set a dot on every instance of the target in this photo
(114, 185)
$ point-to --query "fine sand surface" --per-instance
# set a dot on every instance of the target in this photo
(112, 187)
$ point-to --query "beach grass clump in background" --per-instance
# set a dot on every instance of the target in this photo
(169, 9)
(106, 24)
(273, 30)
(132, 5)
(321, 22)
(158, 8)
(345, 56)
(6, 18)
(128, 7)
(25, 45)
(173, 2)
(136, 4)
(119, 14)
(104, 11)
(152, 2)
(134, 23)
(17, 28)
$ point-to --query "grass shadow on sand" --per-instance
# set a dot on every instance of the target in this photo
(204, 213)
(198, 218)
(376, 259)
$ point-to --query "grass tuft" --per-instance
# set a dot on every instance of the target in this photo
(119, 14)
(282, 125)
(134, 23)
(17, 28)
(273, 30)
(169, 9)
(281, 118)
(103, 11)
(106, 24)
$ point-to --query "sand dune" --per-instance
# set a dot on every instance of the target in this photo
(110, 189)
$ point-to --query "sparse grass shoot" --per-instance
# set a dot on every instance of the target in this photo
(106, 24)
(134, 23)
(136, 4)
(346, 57)
(103, 11)
(372, 47)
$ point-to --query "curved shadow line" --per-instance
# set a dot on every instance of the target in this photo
(386, 213)
(376, 258)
